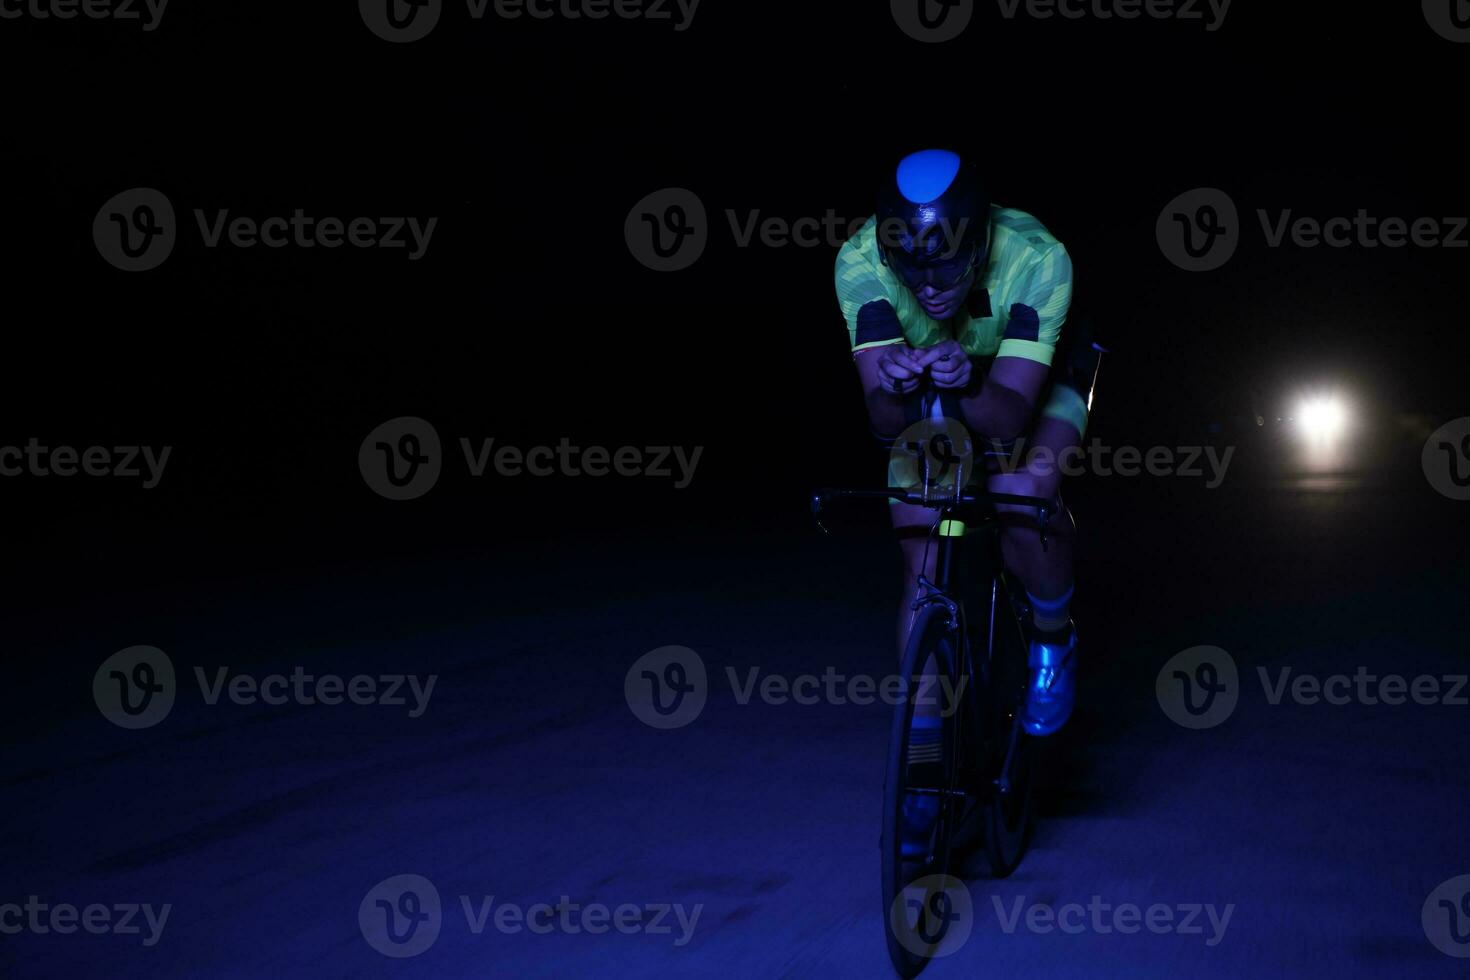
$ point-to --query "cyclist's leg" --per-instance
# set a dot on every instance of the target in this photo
(1045, 570)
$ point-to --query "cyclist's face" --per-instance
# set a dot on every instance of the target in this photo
(941, 292)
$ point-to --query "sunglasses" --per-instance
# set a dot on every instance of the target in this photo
(943, 274)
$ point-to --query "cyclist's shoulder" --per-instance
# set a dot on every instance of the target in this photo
(858, 263)
(863, 245)
(1023, 250)
(1020, 233)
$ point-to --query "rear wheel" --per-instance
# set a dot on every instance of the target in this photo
(1009, 811)
(916, 885)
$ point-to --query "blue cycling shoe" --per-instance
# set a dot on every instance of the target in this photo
(1052, 690)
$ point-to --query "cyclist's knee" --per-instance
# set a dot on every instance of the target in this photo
(1030, 480)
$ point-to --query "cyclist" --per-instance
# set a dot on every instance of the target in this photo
(943, 290)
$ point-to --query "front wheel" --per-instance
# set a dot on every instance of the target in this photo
(917, 886)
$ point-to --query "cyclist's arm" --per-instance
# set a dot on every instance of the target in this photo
(1006, 400)
(885, 408)
(1002, 404)
(876, 334)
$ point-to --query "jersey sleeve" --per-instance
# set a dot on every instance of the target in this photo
(1040, 307)
(865, 298)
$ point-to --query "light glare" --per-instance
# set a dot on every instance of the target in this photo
(1322, 417)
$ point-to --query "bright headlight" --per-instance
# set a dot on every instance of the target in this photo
(1322, 417)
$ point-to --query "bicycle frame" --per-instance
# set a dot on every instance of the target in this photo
(949, 529)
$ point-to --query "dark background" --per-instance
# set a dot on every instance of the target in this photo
(529, 320)
(530, 141)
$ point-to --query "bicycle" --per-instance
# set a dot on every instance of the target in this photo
(986, 763)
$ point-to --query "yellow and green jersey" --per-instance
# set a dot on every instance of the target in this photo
(1016, 308)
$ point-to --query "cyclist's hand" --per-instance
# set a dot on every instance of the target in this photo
(899, 370)
(947, 363)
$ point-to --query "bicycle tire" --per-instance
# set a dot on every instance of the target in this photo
(908, 947)
(1009, 816)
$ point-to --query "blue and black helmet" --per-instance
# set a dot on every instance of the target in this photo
(933, 219)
